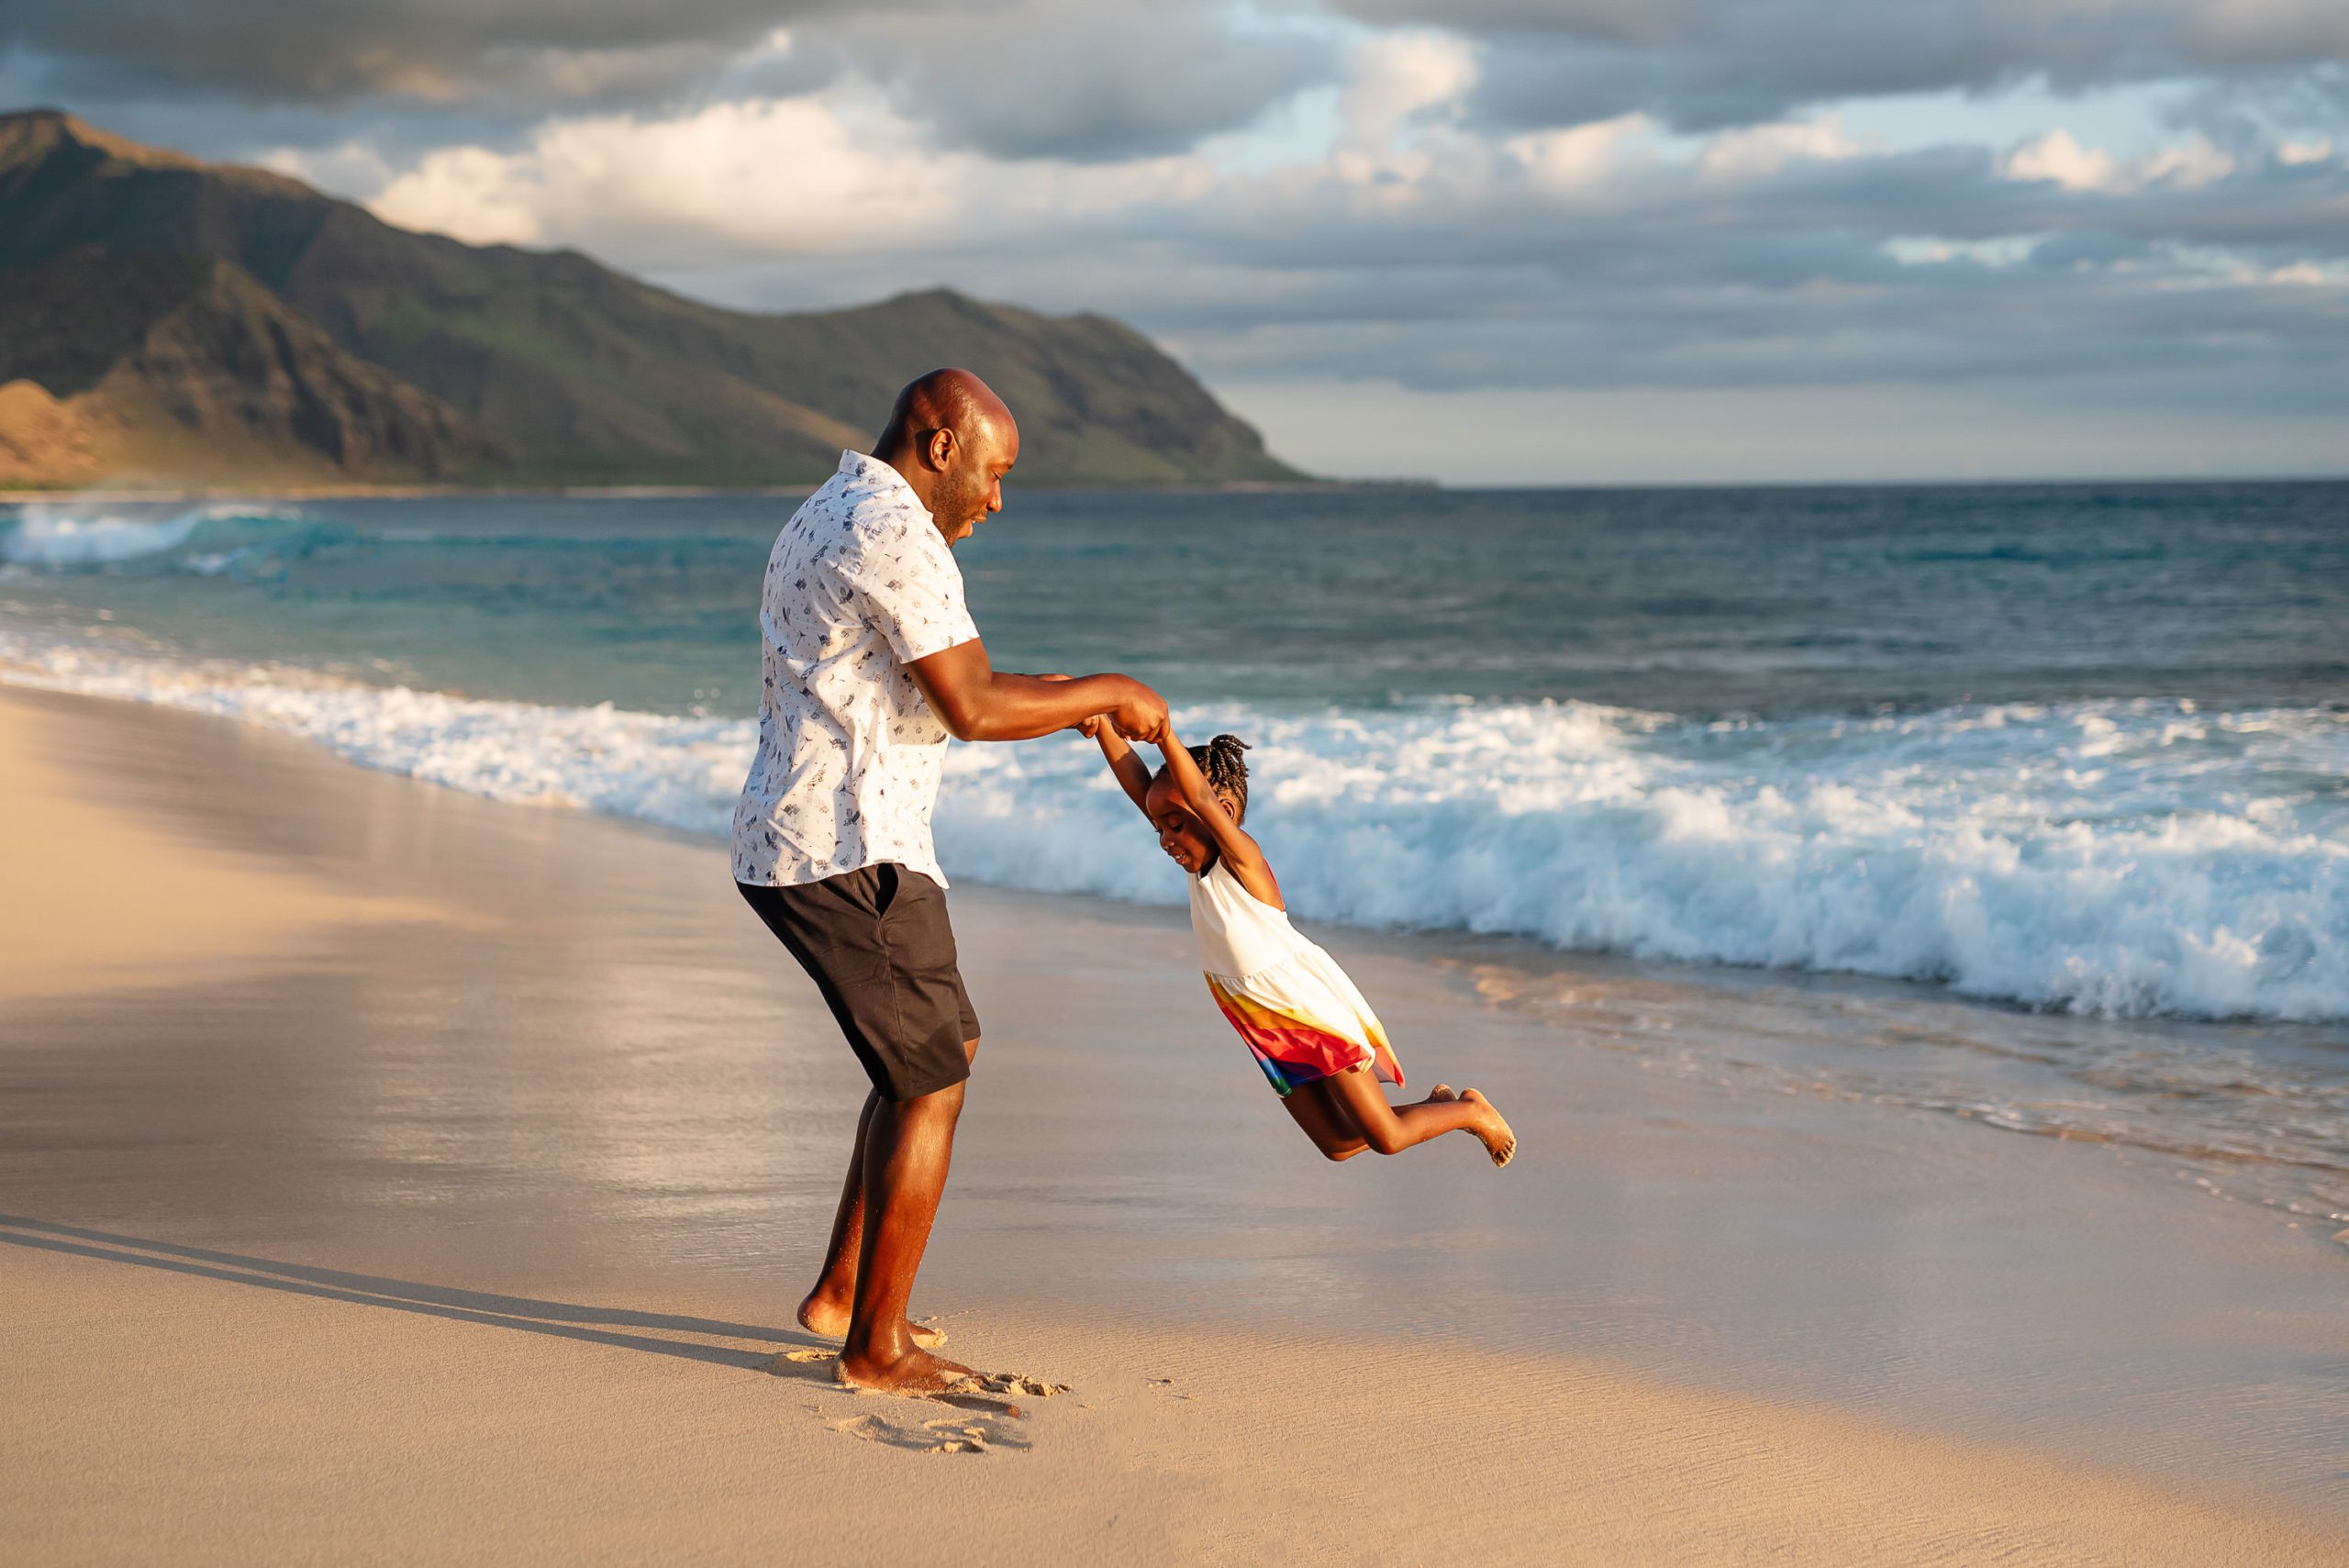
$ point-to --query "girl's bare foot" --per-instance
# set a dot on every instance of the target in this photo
(915, 1371)
(1442, 1091)
(821, 1315)
(1491, 1130)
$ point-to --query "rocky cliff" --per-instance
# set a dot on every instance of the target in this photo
(161, 319)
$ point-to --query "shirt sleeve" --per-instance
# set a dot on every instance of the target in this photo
(911, 589)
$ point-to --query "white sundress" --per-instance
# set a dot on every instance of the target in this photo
(1302, 1018)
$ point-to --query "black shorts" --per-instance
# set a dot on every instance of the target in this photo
(877, 943)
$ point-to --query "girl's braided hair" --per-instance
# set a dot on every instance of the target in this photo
(1226, 770)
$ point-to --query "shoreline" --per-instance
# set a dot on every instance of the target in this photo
(575, 1096)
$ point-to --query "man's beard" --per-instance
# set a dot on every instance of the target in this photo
(960, 500)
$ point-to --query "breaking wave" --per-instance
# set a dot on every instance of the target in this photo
(70, 536)
(2113, 857)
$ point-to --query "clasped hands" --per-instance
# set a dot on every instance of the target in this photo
(1142, 717)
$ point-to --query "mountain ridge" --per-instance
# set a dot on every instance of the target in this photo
(439, 362)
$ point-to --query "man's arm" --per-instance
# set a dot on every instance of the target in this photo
(977, 702)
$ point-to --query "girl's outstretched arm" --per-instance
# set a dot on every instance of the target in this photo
(1133, 774)
(1231, 841)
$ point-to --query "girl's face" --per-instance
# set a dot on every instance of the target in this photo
(1180, 833)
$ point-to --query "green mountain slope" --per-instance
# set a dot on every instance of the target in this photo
(549, 367)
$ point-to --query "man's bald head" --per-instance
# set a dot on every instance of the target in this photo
(953, 440)
(943, 400)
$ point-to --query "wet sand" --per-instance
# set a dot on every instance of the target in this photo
(430, 1179)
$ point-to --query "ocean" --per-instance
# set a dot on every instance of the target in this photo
(2071, 759)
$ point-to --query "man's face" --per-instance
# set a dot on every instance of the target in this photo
(970, 486)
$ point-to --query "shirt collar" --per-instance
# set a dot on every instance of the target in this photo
(872, 471)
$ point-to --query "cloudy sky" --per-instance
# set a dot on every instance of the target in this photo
(1487, 241)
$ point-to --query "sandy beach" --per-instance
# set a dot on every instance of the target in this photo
(387, 1174)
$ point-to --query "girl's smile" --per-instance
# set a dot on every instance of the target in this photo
(1180, 833)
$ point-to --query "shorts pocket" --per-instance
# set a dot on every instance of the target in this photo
(920, 938)
(842, 925)
(888, 882)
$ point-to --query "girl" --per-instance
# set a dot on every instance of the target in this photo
(1308, 1027)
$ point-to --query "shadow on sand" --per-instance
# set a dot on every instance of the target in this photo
(596, 1324)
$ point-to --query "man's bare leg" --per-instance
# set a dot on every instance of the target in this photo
(909, 1148)
(828, 1307)
(826, 1310)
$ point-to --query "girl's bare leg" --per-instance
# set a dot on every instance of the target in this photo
(1324, 1120)
(1390, 1129)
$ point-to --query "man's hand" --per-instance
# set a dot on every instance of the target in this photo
(1141, 716)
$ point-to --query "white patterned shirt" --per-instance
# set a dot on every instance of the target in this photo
(860, 584)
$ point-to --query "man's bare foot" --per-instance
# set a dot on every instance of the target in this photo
(1442, 1091)
(915, 1371)
(1491, 1130)
(822, 1315)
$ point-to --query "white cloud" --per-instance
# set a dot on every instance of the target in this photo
(834, 173)
(1767, 148)
(1398, 77)
(1584, 158)
(1916, 251)
(469, 194)
(2308, 275)
(2190, 167)
(2061, 161)
(349, 167)
(2058, 158)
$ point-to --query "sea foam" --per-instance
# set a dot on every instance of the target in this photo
(2116, 858)
(70, 536)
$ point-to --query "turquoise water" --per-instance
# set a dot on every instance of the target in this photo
(1693, 602)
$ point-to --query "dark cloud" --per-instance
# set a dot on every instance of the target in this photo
(334, 50)
(1706, 64)
(2244, 112)
(1092, 80)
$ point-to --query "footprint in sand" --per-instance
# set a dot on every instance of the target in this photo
(986, 1418)
(950, 1434)
(1007, 1383)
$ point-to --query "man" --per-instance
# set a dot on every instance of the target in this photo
(871, 661)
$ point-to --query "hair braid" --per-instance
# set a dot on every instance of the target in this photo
(1226, 770)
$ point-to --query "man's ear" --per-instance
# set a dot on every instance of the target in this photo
(940, 448)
